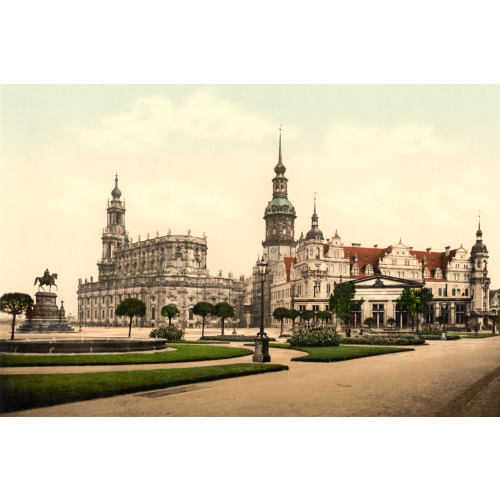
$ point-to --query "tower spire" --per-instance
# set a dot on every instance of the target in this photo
(315, 193)
(279, 157)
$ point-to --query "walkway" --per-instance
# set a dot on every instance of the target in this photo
(455, 378)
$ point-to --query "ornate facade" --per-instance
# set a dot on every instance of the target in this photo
(169, 269)
(302, 275)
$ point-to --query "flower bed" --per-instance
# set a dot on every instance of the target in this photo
(382, 340)
(315, 336)
(234, 338)
(170, 333)
(438, 337)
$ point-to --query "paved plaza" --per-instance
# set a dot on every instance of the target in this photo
(454, 378)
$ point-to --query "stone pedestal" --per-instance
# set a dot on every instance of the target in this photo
(45, 316)
(261, 354)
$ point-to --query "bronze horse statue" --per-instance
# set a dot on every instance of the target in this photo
(47, 279)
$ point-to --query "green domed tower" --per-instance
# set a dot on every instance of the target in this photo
(280, 217)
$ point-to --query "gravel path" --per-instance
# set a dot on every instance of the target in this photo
(456, 378)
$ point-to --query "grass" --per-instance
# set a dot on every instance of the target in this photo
(201, 342)
(479, 336)
(340, 353)
(22, 392)
(183, 353)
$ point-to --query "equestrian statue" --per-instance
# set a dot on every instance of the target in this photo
(47, 279)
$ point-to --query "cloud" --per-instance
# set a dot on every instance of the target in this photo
(149, 123)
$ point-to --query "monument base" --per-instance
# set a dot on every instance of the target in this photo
(45, 316)
(261, 350)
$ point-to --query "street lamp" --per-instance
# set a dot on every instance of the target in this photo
(261, 354)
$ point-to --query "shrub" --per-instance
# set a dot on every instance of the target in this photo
(170, 333)
(382, 340)
(315, 336)
(431, 330)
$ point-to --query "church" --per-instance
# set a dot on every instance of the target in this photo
(303, 273)
(170, 269)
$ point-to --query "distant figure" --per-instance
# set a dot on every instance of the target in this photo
(361, 332)
(348, 332)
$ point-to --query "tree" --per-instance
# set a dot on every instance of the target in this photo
(413, 302)
(324, 315)
(203, 309)
(368, 322)
(131, 308)
(422, 297)
(279, 314)
(170, 311)
(15, 303)
(342, 301)
(391, 321)
(223, 310)
(407, 303)
(293, 314)
(496, 321)
(307, 315)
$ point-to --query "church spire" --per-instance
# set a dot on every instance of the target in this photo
(279, 157)
(280, 168)
(116, 193)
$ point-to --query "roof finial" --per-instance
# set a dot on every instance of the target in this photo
(279, 158)
(480, 219)
(315, 193)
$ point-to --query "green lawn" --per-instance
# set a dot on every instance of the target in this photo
(340, 353)
(183, 353)
(472, 336)
(21, 392)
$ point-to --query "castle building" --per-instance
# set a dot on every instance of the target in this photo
(303, 274)
(169, 269)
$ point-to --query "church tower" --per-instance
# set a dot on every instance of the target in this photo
(480, 283)
(114, 235)
(280, 218)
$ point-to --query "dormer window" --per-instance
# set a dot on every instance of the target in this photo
(355, 269)
(369, 270)
(437, 273)
(426, 273)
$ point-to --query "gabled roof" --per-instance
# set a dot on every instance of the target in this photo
(366, 256)
(289, 261)
(434, 260)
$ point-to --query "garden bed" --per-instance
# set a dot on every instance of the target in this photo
(234, 338)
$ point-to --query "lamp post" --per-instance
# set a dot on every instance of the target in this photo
(261, 354)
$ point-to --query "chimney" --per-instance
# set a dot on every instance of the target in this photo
(429, 249)
(356, 244)
(447, 251)
(375, 246)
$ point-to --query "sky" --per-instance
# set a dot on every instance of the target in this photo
(388, 162)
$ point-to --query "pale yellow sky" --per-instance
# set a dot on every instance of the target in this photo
(388, 162)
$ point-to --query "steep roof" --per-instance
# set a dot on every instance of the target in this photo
(289, 261)
(366, 256)
(434, 260)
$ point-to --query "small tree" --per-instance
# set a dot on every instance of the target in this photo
(279, 314)
(203, 309)
(307, 315)
(223, 310)
(324, 315)
(368, 322)
(170, 312)
(407, 303)
(422, 297)
(390, 322)
(131, 308)
(342, 301)
(293, 314)
(15, 303)
(496, 321)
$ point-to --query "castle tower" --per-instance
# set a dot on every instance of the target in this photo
(279, 216)
(480, 282)
(315, 232)
(114, 235)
